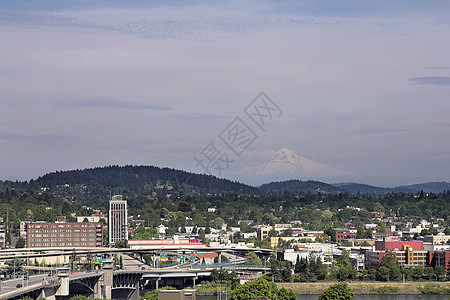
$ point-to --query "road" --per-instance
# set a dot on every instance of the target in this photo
(11, 285)
(132, 264)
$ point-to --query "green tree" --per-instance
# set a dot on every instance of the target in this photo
(15, 266)
(259, 288)
(223, 259)
(73, 260)
(20, 243)
(288, 232)
(120, 244)
(388, 261)
(439, 271)
(201, 234)
(221, 275)
(207, 230)
(253, 259)
(285, 294)
(218, 223)
(89, 259)
(381, 228)
(344, 268)
(272, 233)
(338, 291)
(383, 274)
(331, 233)
(153, 295)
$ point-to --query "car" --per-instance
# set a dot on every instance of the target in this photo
(19, 285)
(143, 268)
(25, 277)
(50, 274)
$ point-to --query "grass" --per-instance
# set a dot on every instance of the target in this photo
(369, 288)
(433, 288)
(385, 290)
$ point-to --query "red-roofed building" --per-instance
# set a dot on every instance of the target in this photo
(391, 244)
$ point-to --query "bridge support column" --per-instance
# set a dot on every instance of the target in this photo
(97, 290)
(107, 279)
(157, 283)
(63, 275)
(195, 278)
(220, 257)
(48, 293)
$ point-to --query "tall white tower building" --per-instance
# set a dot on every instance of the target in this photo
(118, 226)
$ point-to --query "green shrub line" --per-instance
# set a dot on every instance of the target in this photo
(432, 288)
(385, 290)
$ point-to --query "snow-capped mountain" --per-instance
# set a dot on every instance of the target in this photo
(287, 164)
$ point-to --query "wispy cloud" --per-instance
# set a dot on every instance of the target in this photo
(42, 138)
(431, 80)
(113, 103)
(372, 130)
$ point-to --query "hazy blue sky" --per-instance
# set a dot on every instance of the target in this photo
(364, 86)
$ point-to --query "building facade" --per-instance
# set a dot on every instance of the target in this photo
(64, 235)
(344, 234)
(118, 223)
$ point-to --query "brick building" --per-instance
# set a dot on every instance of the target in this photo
(407, 256)
(344, 234)
(64, 235)
(441, 258)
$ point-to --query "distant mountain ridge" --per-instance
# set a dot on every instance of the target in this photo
(297, 186)
(427, 187)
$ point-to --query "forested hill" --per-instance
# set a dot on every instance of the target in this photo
(136, 179)
(298, 186)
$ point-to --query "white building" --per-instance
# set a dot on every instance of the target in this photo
(92, 219)
(118, 225)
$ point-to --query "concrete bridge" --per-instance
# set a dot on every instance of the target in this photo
(129, 284)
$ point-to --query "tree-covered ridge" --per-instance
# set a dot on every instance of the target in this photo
(135, 178)
(298, 186)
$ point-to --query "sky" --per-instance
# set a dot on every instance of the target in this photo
(361, 86)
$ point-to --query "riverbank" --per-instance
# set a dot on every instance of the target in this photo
(372, 288)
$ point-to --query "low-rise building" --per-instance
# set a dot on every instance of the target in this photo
(439, 239)
(81, 219)
(392, 243)
(441, 258)
(64, 235)
(344, 234)
(406, 256)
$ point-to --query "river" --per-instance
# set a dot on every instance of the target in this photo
(361, 297)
